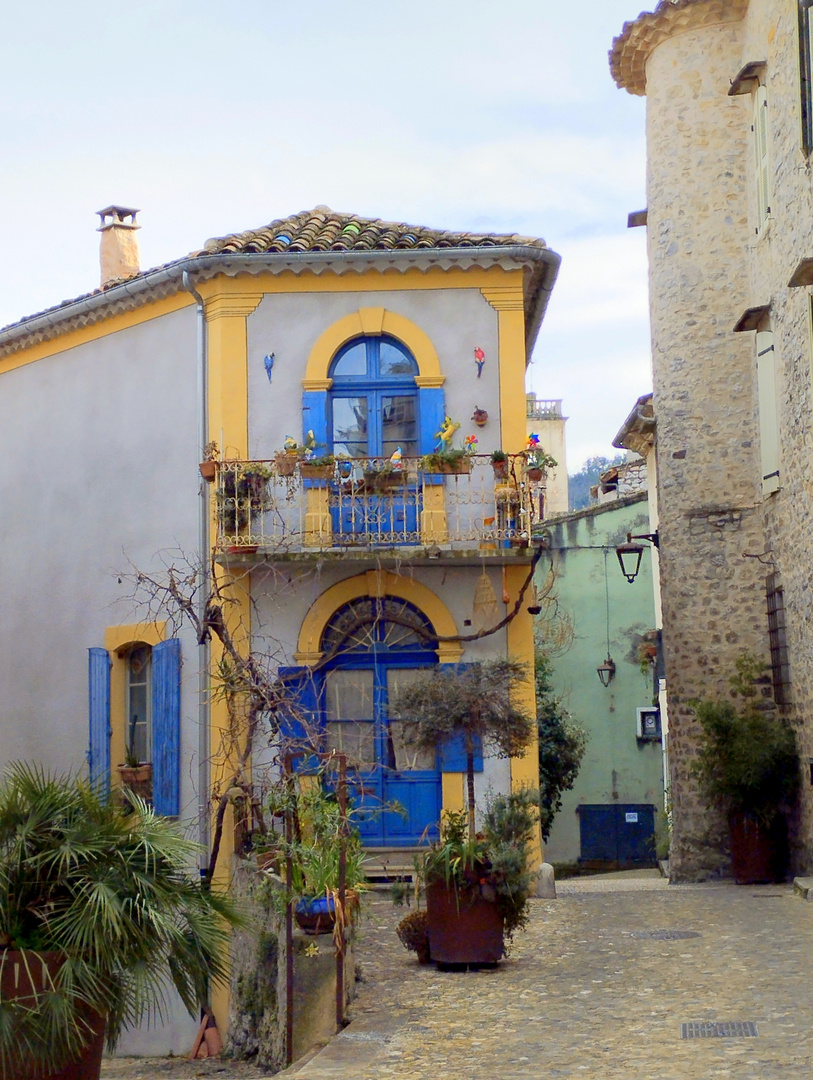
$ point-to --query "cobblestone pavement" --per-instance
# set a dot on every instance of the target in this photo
(588, 992)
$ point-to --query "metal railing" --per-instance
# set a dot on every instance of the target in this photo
(292, 505)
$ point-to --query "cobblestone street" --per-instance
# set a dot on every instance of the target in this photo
(599, 986)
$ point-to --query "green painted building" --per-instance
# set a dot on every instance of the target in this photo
(591, 616)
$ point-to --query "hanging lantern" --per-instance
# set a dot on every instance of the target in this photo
(606, 671)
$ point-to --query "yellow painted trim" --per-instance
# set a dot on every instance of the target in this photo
(371, 321)
(83, 335)
(453, 791)
(376, 583)
(117, 640)
(245, 285)
(226, 314)
(520, 646)
(509, 303)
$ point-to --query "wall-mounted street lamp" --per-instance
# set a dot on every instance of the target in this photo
(606, 671)
(629, 554)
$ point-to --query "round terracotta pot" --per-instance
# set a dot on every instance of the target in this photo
(22, 977)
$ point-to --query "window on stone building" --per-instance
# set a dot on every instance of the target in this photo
(780, 666)
(768, 412)
(762, 162)
(806, 71)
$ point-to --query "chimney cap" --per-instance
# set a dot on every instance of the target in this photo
(117, 214)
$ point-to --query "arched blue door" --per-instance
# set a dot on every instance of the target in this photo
(378, 646)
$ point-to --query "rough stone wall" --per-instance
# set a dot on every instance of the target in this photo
(770, 34)
(704, 397)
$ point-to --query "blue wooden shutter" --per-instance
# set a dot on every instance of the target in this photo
(99, 717)
(166, 727)
(314, 418)
(453, 751)
(300, 719)
(432, 411)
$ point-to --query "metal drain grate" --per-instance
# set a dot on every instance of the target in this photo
(665, 935)
(710, 1029)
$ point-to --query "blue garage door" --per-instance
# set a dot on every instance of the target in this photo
(617, 835)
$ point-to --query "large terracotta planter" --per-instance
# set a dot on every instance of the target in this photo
(758, 854)
(22, 977)
(463, 927)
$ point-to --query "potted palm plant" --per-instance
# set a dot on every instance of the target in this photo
(99, 912)
(476, 883)
(748, 765)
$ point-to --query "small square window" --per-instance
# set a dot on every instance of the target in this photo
(648, 723)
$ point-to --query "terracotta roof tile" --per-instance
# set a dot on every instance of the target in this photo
(323, 229)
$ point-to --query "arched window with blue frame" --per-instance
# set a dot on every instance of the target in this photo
(373, 404)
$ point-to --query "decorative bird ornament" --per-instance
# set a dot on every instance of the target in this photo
(395, 459)
(479, 359)
(446, 433)
(290, 443)
(269, 364)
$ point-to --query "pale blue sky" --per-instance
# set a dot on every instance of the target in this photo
(457, 114)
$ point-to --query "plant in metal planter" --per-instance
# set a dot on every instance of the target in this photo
(315, 851)
(477, 883)
(748, 765)
(101, 913)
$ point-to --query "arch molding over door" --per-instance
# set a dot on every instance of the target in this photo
(377, 583)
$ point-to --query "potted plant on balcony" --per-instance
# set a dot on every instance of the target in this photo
(243, 494)
(318, 468)
(748, 765)
(499, 463)
(447, 462)
(287, 458)
(208, 467)
(384, 475)
(476, 889)
(98, 914)
(537, 462)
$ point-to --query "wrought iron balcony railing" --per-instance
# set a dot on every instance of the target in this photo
(290, 505)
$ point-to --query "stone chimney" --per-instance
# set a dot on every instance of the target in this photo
(118, 251)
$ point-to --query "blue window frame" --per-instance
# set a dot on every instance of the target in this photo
(373, 405)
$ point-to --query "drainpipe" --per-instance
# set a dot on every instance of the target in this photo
(203, 592)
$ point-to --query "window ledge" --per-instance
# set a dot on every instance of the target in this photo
(743, 81)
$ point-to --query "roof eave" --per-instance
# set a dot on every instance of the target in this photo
(168, 280)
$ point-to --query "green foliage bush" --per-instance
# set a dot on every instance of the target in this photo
(748, 760)
(562, 743)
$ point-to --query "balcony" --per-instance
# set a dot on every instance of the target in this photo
(291, 507)
(537, 409)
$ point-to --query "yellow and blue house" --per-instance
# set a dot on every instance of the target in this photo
(320, 335)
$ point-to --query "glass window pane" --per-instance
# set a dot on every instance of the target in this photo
(355, 738)
(138, 702)
(395, 361)
(350, 363)
(350, 426)
(349, 695)
(403, 754)
(399, 424)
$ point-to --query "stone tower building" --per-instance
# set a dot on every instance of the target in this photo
(730, 231)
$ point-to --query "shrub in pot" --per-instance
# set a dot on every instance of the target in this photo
(101, 911)
(748, 765)
(477, 878)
